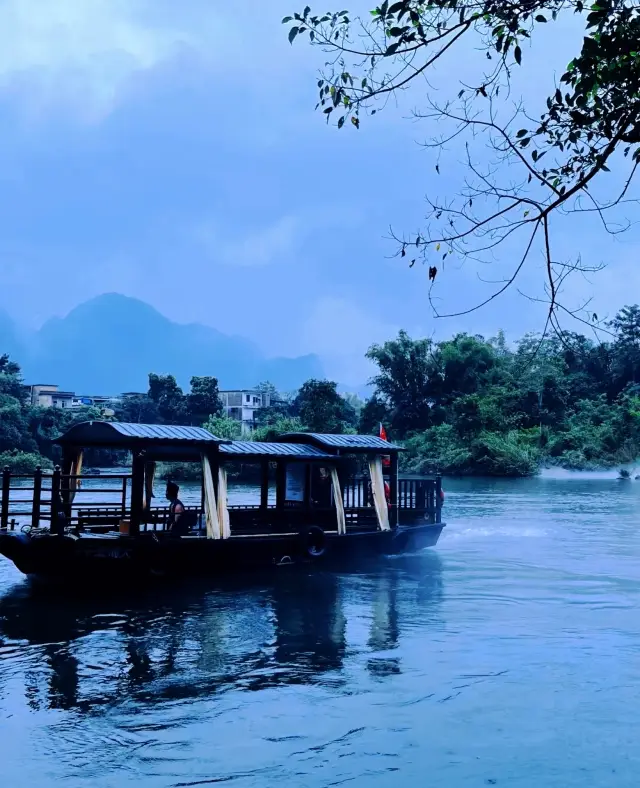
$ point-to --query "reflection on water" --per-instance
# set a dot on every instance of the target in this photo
(510, 655)
(183, 643)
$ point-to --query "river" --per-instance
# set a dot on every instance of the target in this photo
(509, 655)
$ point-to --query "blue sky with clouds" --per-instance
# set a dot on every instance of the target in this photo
(170, 151)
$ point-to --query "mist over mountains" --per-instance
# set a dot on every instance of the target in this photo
(111, 343)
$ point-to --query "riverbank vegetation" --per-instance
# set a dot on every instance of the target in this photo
(467, 405)
(475, 406)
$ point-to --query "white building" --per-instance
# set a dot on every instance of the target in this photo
(243, 404)
(46, 395)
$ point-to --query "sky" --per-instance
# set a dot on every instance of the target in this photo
(171, 152)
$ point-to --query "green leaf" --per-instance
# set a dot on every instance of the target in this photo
(287, 19)
(517, 53)
(521, 133)
(293, 33)
(541, 18)
(341, 122)
(392, 49)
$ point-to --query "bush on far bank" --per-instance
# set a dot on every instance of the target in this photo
(24, 461)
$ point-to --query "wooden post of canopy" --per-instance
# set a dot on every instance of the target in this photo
(137, 492)
(281, 483)
(65, 481)
(123, 498)
(203, 514)
(57, 522)
(393, 490)
(214, 461)
(264, 484)
(6, 491)
(37, 495)
(307, 486)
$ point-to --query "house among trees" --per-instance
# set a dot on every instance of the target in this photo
(46, 395)
(243, 404)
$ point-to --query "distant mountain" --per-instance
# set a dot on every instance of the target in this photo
(110, 344)
(11, 341)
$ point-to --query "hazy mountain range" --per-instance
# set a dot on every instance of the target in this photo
(109, 345)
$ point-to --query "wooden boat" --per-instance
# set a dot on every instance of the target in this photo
(326, 509)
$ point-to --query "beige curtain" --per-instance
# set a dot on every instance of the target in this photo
(337, 499)
(210, 510)
(149, 477)
(223, 509)
(70, 486)
(76, 470)
(379, 498)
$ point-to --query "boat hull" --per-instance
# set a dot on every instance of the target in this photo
(91, 558)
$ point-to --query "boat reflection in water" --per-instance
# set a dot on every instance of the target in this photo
(193, 642)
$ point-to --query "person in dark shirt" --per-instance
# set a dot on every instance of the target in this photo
(321, 486)
(176, 509)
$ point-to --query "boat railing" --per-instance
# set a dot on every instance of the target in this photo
(35, 500)
(416, 495)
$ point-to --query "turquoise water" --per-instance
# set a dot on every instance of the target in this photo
(509, 655)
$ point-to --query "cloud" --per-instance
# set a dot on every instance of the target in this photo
(260, 247)
(82, 52)
(341, 332)
(278, 239)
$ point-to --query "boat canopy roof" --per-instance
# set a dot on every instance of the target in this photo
(343, 444)
(259, 450)
(169, 442)
(117, 434)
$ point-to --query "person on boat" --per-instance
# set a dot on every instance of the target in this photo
(387, 493)
(321, 487)
(176, 509)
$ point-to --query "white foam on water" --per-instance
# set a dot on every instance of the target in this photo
(604, 474)
(483, 531)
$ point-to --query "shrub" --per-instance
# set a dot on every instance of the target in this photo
(224, 427)
(179, 471)
(23, 461)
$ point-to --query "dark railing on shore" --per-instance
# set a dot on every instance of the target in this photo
(52, 504)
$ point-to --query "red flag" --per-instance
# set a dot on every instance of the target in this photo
(386, 461)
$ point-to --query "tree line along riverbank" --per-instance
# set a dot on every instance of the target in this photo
(463, 406)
